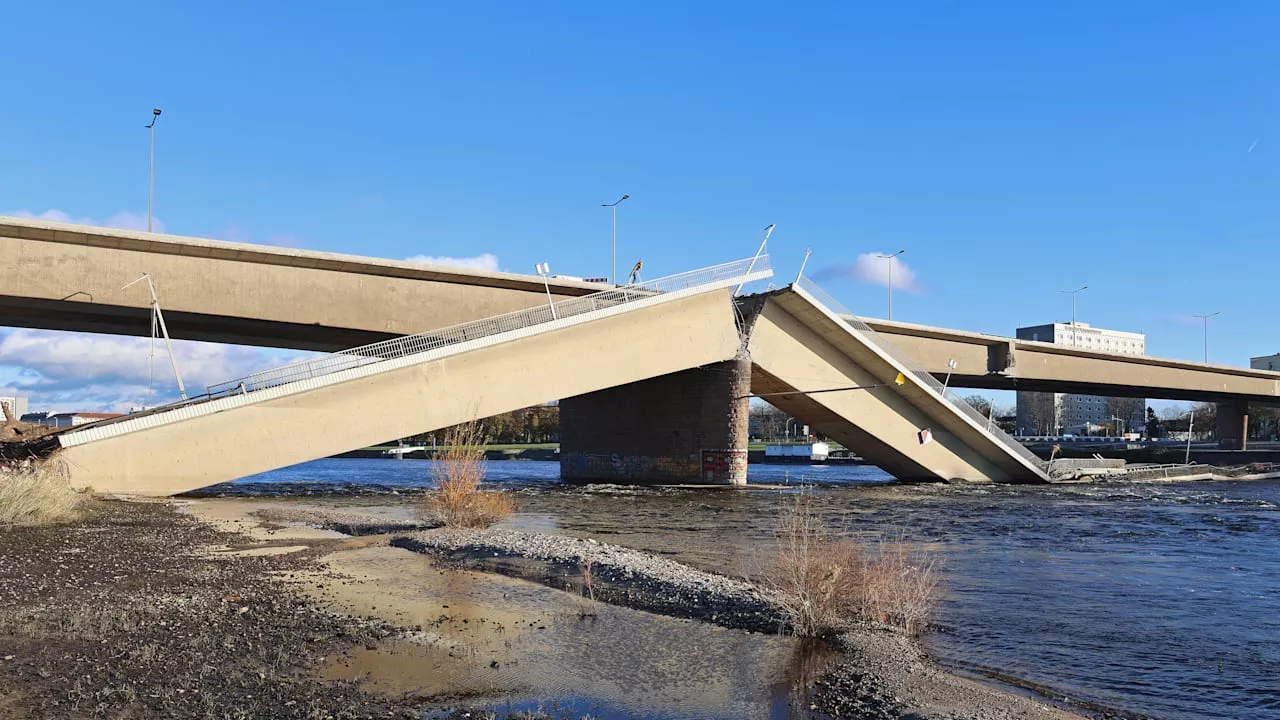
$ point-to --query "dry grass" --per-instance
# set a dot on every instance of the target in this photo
(458, 470)
(825, 582)
(33, 493)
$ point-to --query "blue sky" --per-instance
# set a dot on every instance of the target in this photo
(1013, 149)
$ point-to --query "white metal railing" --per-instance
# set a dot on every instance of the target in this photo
(869, 335)
(744, 270)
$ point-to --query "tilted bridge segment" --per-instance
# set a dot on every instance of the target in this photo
(631, 342)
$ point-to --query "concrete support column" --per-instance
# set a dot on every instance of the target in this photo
(686, 427)
(1233, 425)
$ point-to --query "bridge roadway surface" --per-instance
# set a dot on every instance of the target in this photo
(70, 277)
(793, 342)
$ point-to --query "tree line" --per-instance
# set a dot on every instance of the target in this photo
(532, 425)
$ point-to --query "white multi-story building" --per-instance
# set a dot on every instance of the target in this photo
(16, 404)
(1057, 413)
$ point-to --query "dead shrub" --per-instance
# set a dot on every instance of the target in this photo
(816, 576)
(824, 582)
(458, 470)
(38, 493)
(901, 584)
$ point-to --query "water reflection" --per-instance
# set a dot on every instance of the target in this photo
(518, 645)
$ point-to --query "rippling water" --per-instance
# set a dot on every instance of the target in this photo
(1160, 599)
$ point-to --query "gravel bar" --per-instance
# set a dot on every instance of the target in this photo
(619, 575)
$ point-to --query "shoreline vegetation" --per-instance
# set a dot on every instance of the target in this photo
(227, 608)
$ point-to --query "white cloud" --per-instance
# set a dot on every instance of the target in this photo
(87, 371)
(870, 268)
(486, 261)
(123, 220)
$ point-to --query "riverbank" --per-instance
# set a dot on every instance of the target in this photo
(138, 611)
(244, 606)
(878, 672)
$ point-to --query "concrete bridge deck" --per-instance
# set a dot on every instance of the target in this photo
(69, 277)
(317, 408)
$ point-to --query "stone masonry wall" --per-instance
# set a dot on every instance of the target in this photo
(686, 427)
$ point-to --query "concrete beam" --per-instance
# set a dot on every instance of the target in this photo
(69, 277)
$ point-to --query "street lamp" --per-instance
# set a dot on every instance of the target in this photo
(1205, 318)
(151, 169)
(544, 269)
(890, 259)
(1115, 425)
(1073, 294)
(613, 255)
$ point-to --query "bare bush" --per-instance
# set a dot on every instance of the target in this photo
(38, 493)
(901, 584)
(458, 470)
(825, 582)
(816, 576)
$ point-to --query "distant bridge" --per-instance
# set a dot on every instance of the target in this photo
(69, 277)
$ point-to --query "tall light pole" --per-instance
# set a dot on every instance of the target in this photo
(1205, 318)
(613, 255)
(1073, 294)
(544, 269)
(890, 259)
(151, 170)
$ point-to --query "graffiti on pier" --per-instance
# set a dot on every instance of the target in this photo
(724, 466)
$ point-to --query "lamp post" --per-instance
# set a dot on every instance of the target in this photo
(544, 269)
(1205, 318)
(890, 259)
(151, 167)
(1115, 425)
(613, 255)
(1073, 294)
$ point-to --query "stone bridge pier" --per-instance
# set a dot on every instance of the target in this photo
(1233, 425)
(686, 427)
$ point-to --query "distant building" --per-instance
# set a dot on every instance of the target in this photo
(1266, 362)
(17, 406)
(1057, 413)
(72, 419)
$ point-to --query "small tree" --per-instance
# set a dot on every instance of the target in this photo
(1155, 428)
(979, 403)
(1129, 410)
(458, 469)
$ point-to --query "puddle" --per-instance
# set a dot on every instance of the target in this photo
(518, 645)
(263, 551)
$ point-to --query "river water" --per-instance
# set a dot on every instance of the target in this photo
(1153, 599)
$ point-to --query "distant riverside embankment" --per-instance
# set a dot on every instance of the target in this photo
(551, 451)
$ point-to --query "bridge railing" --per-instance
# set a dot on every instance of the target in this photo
(727, 273)
(876, 339)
